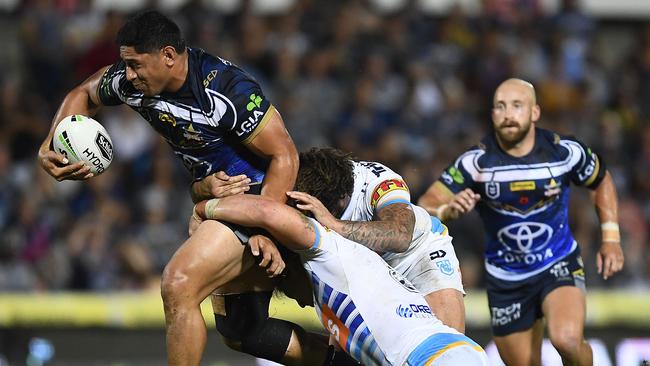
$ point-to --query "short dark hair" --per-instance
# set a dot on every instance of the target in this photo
(327, 174)
(150, 31)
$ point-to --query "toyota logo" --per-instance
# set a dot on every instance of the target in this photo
(525, 237)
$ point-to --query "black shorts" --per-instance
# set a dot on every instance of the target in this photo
(516, 305)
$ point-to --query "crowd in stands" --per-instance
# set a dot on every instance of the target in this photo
(406, 88)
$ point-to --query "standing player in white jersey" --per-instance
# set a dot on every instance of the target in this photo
(375, 208)
(373, 312)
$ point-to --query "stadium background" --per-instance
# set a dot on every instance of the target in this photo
(407, 83)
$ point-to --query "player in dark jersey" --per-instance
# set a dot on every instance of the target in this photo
(518, 178)
(217, 120)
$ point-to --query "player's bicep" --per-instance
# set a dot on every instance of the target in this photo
(590, 170)
(400, 213)
(92, 85)
(271, 138)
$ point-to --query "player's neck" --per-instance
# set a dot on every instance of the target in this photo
(179, 73)
(519, 148)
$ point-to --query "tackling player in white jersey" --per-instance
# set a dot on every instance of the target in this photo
(374, 206)
(373, 312)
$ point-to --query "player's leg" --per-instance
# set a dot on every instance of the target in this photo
(564, 309)
(242, 319)
(523, 347)
(435, 271)
(517, 324)
(449, 307)
(211, 257)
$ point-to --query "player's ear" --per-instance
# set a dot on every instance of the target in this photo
(536, 113)
(169, 55)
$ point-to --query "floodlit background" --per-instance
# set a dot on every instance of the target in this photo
(406, 83)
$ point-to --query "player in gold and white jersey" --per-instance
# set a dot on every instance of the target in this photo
(374, 206)
(371, 310)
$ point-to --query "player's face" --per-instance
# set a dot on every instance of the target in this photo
(147, 72)
(513, 112)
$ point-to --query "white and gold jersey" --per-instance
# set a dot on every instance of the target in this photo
(373, 312)
(430, 262)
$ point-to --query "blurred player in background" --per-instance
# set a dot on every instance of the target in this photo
(374, 206)
(374, 313)
(218, 121)
(519, 178)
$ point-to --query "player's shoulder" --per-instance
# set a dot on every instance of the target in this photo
(373, 171)
(218, 74)
(560, 144)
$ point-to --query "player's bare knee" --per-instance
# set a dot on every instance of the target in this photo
(566, 343)
(175, 286)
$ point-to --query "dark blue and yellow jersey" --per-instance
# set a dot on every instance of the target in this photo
(208, 122)
(525, 200)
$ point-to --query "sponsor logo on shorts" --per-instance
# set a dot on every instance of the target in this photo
(414, 311)
(445, 267)
(386, 187)
(503, 316)
(560, 270)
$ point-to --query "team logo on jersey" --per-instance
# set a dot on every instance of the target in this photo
(445, 267)
(209, 78)
(192, 136)
(492, 190)
(167, 118)
(386, 187)
(522, 186)
(552, 188)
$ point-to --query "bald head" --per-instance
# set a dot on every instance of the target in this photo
(519, 86)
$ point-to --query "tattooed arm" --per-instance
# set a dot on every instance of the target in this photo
(286, 224)
(390, 231)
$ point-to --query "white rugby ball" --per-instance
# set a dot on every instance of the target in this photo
(81, 138)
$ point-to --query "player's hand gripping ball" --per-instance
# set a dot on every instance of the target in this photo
(81, 138)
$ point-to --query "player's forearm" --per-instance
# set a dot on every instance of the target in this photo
(244, 210)
(200, 191)
(606, 203)
(435, 200)
(80, 100)
(281, 176)
(377, 235)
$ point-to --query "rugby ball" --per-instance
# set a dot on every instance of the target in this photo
(81, 138)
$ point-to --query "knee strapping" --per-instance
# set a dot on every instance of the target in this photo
(247, 321)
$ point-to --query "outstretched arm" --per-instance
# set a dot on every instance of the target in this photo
(609, 259)
(286, 224)
(390, 231)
